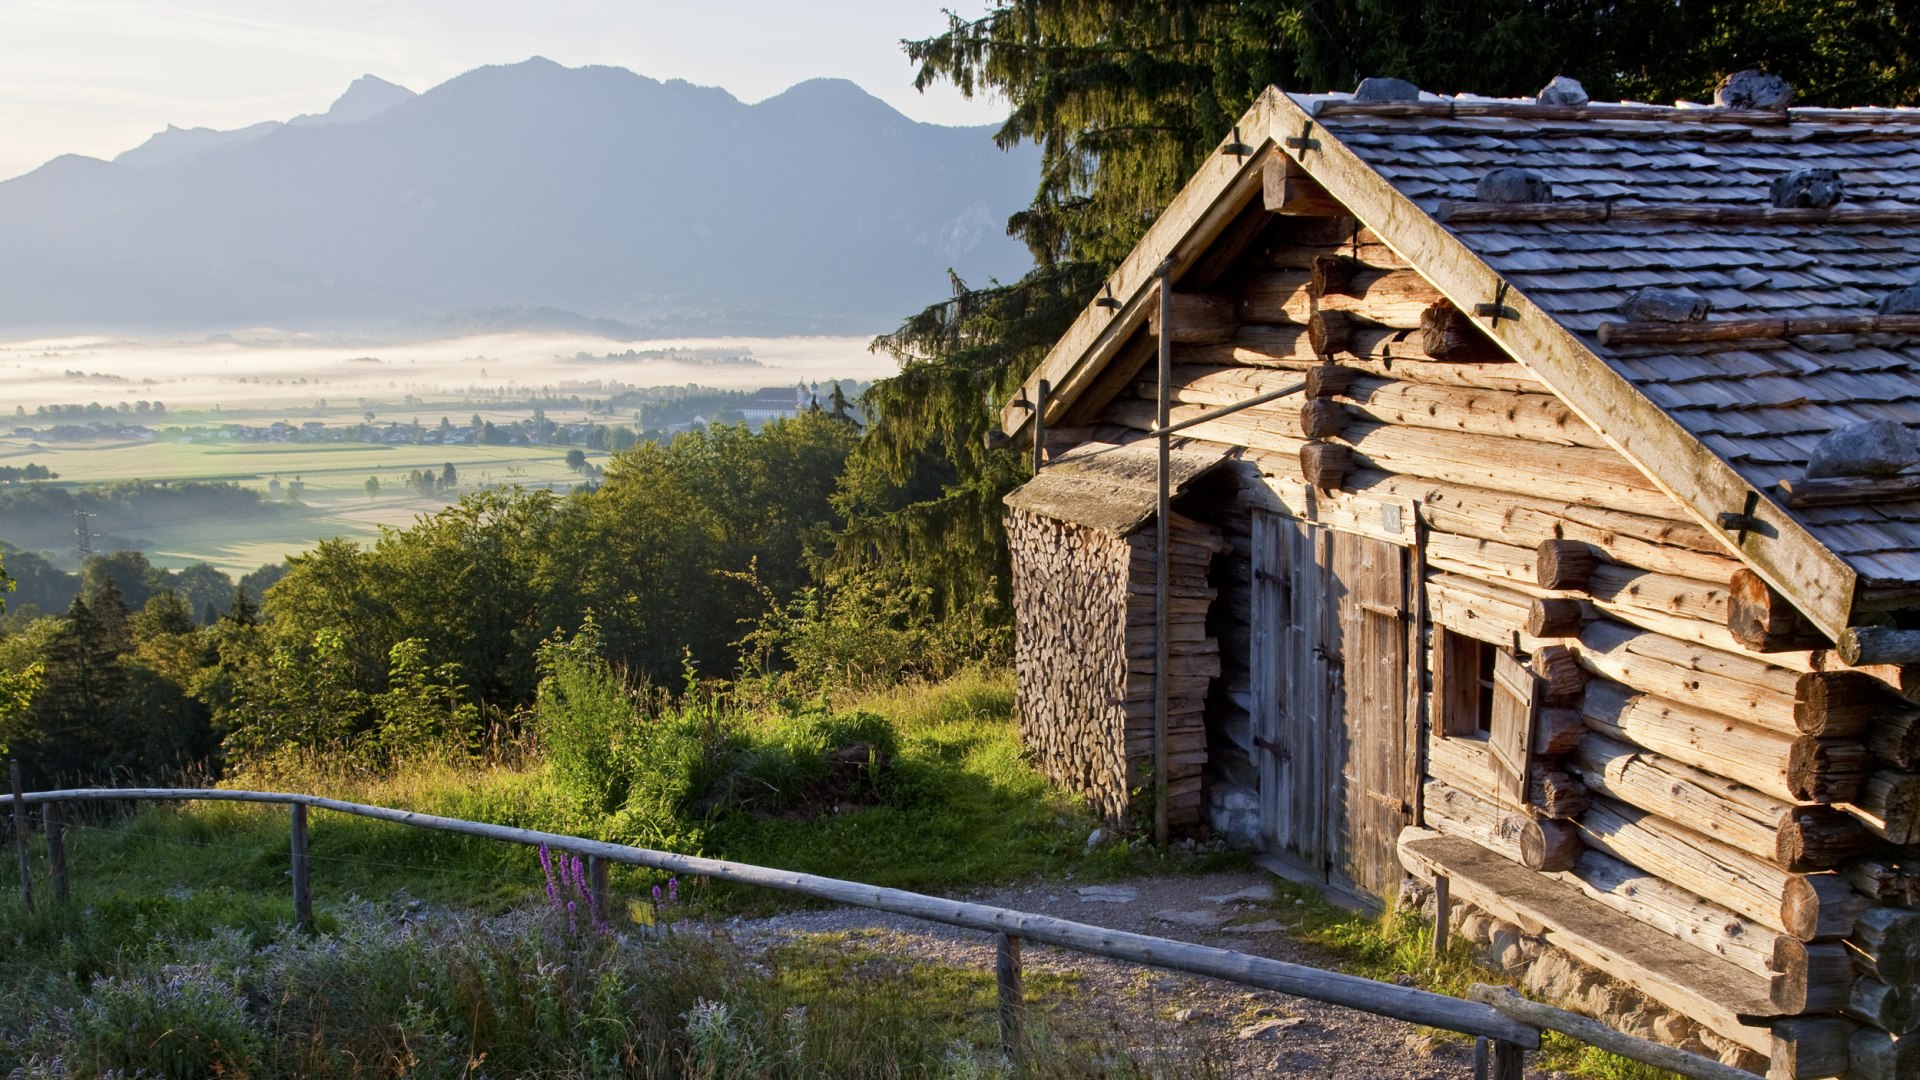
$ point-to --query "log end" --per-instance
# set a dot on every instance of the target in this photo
(1564, 564)
(1550, 617)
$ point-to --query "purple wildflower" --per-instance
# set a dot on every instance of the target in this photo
(673, 890)
(546, 868)
(656, 896)
(579, 876)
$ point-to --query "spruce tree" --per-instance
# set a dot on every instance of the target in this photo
(243, 612)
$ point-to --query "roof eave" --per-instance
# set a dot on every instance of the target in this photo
(1181, 233)
(1777, 547)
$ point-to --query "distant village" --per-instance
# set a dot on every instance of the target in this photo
(631, 416)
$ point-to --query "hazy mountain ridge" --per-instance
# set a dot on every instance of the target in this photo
(665, 206)
(366, 97)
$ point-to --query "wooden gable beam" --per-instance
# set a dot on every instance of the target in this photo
(1230, 177)
(1778, 548)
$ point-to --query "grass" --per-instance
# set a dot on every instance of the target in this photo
(161, 881)
(1397, 946)
(978, 814)
(178, 937)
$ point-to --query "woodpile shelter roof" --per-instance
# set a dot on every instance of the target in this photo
(1762, 404)
(1641, 197)
(1111, 487)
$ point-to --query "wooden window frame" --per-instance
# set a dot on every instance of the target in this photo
(1511, 704)
(1457, 693)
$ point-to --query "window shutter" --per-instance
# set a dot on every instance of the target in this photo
(1516, 695)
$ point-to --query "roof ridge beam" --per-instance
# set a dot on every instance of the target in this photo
(1473, 213)
(1453, 108)
(1624, 333)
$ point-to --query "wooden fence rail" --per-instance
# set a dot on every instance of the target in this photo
(1507, 1034)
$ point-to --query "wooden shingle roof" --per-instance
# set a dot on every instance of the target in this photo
(1760, 405)
(1716, 425)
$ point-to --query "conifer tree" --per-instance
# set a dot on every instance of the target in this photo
(243, 612)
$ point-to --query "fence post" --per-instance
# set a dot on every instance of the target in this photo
(597, 886)
(21, 835)
(1442, 914)
(56, 849)
(1013, 999)
(1480, 1057)
(1509, 1061)
(302, 895)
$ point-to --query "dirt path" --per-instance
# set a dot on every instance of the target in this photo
(1163, 1015)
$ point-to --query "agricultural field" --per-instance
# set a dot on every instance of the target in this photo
(334, 500)
(99, 411)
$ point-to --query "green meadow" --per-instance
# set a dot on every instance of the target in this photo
(333, 501)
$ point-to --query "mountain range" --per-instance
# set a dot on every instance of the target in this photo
(515, 196)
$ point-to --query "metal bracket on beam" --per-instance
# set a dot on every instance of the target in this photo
(1236, 147)
(1744, 522)
(1304, 141)
(1498, 309)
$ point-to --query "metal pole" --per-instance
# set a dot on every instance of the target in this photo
(1013, 999)
(1234, 407)
(1162, 538)
(1040, 425)
(56, 850)
(302, 894)
(21, 835)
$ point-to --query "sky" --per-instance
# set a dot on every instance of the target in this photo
(97, 77)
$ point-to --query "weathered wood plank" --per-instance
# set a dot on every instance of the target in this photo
(1694, 983)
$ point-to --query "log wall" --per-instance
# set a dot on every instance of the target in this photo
(1755, 807)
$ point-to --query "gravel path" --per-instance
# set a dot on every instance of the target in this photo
(1163, 1015)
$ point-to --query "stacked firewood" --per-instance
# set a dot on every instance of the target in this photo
(1084, 603)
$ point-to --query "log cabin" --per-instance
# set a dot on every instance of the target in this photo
(1519, 495)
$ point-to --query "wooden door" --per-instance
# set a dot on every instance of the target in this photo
(1329, 671)
(1296, 684)
(1375, 745)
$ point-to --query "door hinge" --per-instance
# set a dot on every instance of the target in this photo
(1387, 610)
(1391, 802)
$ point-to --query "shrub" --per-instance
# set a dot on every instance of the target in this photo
(423, 715)
(177, 1021)
(862, 631)
(583, 714)
(527, 993)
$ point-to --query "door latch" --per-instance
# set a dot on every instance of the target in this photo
(1273, 748)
